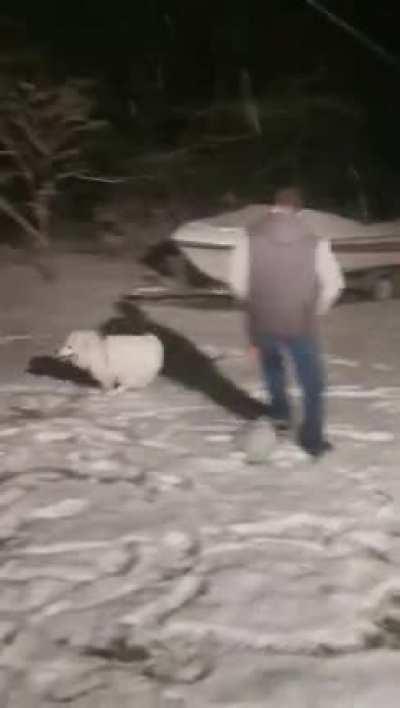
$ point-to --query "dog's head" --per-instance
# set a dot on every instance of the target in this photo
(78, 347)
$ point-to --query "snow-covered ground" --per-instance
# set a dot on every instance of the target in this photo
(144, 563)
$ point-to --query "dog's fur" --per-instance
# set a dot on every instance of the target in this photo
(124, 361)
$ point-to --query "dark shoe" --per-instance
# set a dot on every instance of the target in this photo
(317, 451)
(281, 427)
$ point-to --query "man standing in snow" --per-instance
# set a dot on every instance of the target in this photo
(288, 278)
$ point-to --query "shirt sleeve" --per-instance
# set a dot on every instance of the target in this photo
(239, 266)
(330, 277)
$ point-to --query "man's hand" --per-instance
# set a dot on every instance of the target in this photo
(253, 353)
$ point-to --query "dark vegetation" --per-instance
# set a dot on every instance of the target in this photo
(113, 131)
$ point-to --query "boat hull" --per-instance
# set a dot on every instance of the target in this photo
(360, 248)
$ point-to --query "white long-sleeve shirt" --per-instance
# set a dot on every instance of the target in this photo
(329, 272)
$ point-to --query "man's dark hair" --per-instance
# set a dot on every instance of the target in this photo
(290, 196)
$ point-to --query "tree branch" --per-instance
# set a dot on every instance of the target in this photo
(13, 152)
(90, 178)
(8, 209)
(73, 130)
(34, 140)
(66, 154)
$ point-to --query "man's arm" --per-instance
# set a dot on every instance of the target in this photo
(330, 277)
(239, 266)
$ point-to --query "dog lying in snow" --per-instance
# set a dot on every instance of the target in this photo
(123, 361)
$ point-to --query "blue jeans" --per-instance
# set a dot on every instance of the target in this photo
(306, 356)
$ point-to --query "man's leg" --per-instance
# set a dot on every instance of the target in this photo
(307, 359)
(273, 367)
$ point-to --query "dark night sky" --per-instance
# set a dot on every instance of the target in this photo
(273, 38)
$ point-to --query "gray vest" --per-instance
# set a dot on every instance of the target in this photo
(283, 280)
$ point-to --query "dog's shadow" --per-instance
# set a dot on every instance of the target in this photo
(184, 362)
(61, 370)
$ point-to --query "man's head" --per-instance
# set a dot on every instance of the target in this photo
(290, 196)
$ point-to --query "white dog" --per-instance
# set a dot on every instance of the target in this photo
(124, 361)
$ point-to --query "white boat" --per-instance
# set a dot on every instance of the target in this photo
(368, 252)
